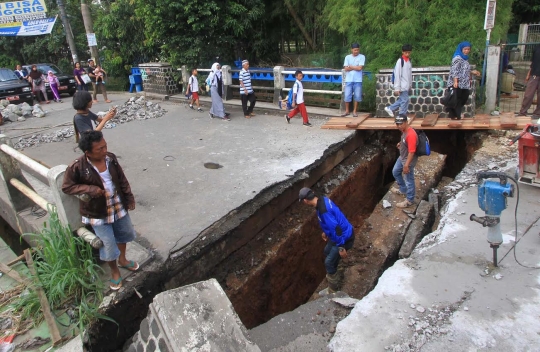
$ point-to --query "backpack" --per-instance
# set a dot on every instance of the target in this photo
(422, 144)
(393, 71)
(286, 104)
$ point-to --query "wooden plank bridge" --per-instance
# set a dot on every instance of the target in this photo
(506, 121)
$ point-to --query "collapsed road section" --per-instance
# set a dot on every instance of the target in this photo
(267, 254)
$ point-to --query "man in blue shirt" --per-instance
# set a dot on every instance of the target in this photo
(338, 234)
(353, 65)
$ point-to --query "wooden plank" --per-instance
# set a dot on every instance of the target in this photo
(45, 307)
(508, 120)
(16, 260)
(12, 273)
(355, 122)
(481, 121)
(430, 120)
(455, 123)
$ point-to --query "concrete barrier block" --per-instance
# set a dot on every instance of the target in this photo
(419, 227)
(199, 316)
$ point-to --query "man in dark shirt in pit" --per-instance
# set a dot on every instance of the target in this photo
(533, 86)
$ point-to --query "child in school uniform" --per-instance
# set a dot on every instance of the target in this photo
(298, 100)
(193, 90)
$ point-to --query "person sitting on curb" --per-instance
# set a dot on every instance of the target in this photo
(338, 234)
(82, 121)
(104, 200)
(405, 162)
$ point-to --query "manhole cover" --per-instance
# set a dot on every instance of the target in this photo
(212, 166)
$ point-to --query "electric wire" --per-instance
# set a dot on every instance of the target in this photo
(516, 230)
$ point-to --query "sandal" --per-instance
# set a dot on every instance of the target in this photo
(247, 117)
(115, 285)
(132, 266)
(345, 114)
(354, 115)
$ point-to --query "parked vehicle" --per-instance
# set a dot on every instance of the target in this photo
(68, 85)
(13, 89)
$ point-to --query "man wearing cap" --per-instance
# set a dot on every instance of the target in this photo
(353, 65)
(90, 70)
(337, 233)
(405, 163)
(246, 91)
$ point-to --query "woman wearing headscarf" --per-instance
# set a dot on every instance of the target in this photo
(37, 80)
(460, 78)
(216, 88)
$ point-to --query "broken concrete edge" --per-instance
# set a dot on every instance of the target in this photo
(419, 227)
(195, 316)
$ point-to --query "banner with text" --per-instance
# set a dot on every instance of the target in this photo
(27, 28)
(19, 11)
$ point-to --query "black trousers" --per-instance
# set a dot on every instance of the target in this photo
(462, 97)
(245, 98)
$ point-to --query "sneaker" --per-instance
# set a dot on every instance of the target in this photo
(307, 124)
(227, 114)
(288, 118)
(211, 115)
(191, 107)
(396, 190)
(404, 204)
(389, 111)
(200, 110)
(226, 118)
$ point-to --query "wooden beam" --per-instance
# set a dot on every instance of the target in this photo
(508, 120)
(16, 260)
(430, 120)
(12, 273)
(355, 122)
(45, 306)
(481, 121)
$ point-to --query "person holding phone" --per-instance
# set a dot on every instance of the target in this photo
(82, 121)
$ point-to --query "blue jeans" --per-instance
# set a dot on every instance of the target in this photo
(81, 87)
(120, 231)
(331, 254)
(349, 88)
(406, 184)
(402, 102)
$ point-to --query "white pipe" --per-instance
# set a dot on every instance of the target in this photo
(27, 191)
(320, 73)
(89, 237)
(31, 163)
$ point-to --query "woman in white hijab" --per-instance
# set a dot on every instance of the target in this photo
(216, 88)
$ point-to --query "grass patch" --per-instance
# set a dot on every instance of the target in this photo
(68, 274)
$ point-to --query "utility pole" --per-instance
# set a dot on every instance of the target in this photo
(89, 27)
(67, 29)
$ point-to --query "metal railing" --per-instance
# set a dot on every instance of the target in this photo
(21, 195)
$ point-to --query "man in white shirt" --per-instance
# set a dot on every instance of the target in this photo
(298, 100)
(353, 65)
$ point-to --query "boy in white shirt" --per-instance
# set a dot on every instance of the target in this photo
(193, 90)
(298, 100)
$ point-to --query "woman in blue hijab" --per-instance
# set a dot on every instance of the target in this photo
(460, 78)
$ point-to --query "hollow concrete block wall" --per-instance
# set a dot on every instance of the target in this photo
(158, 78)
(191, 318)
(424, 98)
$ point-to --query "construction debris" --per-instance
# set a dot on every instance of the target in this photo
(133, 109)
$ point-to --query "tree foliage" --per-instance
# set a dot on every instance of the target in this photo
(434, 28)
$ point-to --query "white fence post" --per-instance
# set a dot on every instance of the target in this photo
(185, 78)
(67, 206)
(279, 83)
(343, 77)
(522, 38)
(492, 77)
(227, 82)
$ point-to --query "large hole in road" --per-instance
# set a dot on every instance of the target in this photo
(267, 254)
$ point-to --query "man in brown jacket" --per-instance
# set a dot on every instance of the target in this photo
(104, 195)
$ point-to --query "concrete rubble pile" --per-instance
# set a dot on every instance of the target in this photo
(133, 109)
(20, 112)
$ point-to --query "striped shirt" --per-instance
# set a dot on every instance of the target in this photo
(245, 77)
(115, 208)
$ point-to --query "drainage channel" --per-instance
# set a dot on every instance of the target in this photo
(267, 254)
